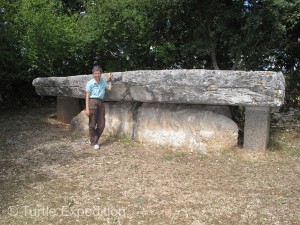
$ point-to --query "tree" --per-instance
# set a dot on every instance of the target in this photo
(37, 39)
(117, 34)
(9, 52)
(74, 6)
(48, 37)
(63, 37)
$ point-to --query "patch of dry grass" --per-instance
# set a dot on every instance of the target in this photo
(52, 176)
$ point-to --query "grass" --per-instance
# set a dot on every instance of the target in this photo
(281, 201)
(124, 139)
(285, 140)
(179, 154)
(173, 155)
(169, 157)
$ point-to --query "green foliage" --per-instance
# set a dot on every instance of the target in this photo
(9, 50)
(292, 97)
(63, 37)
(237, 38)
(48, 37)
(122, 36)
(74, 6)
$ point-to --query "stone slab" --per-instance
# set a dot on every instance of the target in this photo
(257, 128)
(67, 108)
(212, 87)
(184, 126)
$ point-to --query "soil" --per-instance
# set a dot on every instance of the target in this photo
(50, 175)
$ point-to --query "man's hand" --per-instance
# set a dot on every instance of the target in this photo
(109, 81)
(109, 77)
(87, 100)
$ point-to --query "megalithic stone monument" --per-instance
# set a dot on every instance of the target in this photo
(258, 91)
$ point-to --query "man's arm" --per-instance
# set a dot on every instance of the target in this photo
(87, 100)
(109, 86)
(109, 82)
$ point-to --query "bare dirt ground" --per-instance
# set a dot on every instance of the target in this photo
(49, 175)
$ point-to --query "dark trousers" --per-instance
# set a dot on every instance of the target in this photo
(96, 119)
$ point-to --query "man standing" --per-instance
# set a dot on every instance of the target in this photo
(95, 91)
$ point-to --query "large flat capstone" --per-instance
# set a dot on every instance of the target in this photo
(214, 87)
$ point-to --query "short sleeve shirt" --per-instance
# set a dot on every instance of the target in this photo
(96, 90)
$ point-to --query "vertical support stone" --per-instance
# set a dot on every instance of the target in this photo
(67, 108)
(257, 128)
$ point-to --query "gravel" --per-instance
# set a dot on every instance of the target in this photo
(50, 175)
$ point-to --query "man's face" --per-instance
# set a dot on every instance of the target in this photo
(97, 74)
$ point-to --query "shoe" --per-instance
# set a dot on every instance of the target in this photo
(96, 146)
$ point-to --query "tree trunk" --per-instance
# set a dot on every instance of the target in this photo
(214, 59)
(237, 61)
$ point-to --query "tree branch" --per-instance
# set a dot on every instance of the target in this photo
(213, 51)
(214, 58)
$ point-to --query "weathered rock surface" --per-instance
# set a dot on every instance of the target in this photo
(118, 119)
(214, 87)
(80, 123)
(185, 126)
(198, 127)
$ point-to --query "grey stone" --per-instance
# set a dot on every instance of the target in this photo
(201, 127)
(184, 126)
(118, 119)
(257, 90)
(80, 123)
(257, 128)
(67, 108)
(213, 87)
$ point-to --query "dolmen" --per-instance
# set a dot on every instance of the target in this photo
(179, 108)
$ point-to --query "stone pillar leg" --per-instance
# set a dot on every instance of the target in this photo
(67, 108)
(257, 128)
